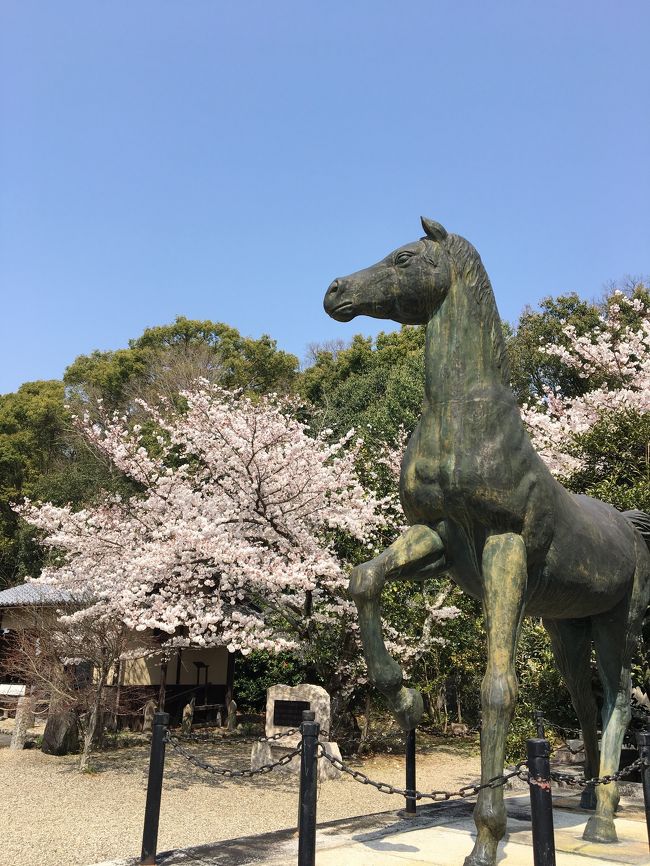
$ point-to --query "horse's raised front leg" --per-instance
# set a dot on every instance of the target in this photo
(419, 549)
(504, 585)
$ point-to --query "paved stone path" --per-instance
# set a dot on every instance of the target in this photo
(441, 835)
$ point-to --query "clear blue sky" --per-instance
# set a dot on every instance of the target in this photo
(228, 160)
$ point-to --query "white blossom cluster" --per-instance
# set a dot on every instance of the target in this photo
(616, 354)
(230, 540)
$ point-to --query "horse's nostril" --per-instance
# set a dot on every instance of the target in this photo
(334, 287)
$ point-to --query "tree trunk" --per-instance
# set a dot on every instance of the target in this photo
(90, 734)
(163, 687)
(366, 725)
(445, 709)
(118, 696)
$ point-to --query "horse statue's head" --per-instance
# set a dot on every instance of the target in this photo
(407, 286)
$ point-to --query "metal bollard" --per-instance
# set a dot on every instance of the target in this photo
(154, 789)
(643, 742)
(310, 730)
(539, 724)
(411, 808)
(541, 803)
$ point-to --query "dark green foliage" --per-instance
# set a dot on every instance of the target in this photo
(540, 688)
(531, 370)
(616, 454)
(169, 358)
(41, 457)
(375, 388)
(256, 672)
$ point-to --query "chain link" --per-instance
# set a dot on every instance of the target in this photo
(436, 796)
(212, 738)
(464, 792)
(224, 771)
(581, 782)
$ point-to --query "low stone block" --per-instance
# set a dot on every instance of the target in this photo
(571, 753)
(61, 734)
(269, 753)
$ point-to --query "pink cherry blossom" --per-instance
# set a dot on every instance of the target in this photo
(617, 354)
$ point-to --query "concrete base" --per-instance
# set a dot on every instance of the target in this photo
(441, 835)
(448, 843)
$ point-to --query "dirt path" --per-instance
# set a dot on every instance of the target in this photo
(54, 814)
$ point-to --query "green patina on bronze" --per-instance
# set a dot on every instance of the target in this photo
(483, 508)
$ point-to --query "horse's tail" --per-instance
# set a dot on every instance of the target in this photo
(641, 521)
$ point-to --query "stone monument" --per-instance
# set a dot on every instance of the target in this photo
(231, 719)
(24, 721)
(284, 708)
(484, 509)
(148, 714)
(188, 716)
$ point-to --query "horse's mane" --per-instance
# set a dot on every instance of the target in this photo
(472, 271)
(641, 521)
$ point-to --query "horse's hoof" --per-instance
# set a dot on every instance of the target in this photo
(408, 708)
(479, 860)
(600, 829)
(484, 852)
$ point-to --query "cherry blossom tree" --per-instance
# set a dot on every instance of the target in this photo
(615, 357)
(232, 538)
(241, 533)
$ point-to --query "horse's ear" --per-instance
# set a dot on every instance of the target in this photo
(433, 229)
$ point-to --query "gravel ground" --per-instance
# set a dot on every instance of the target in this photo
(54, 814)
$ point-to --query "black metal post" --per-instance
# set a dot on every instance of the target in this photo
(539, 724)
(541, 804)
(411, 808)
(154, 789)
(310, 730)
(643, 742)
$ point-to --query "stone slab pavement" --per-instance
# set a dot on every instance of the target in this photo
(441, 835)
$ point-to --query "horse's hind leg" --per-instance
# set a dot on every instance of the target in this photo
(616, 634)
(571, 643)
(504, 579)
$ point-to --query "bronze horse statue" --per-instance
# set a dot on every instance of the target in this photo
(483, 508)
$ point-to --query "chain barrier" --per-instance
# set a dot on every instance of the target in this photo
(464, 792)
(581, 782)
(496, 782)
(386, 788)
(225, 771)
(436, 796)
(212, 738)
(576, 734)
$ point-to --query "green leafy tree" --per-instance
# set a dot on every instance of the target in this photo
(169, 358)
(41, 457)
(375, 387)
(532, 370)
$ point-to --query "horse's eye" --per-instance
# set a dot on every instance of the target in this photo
(403, 258)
